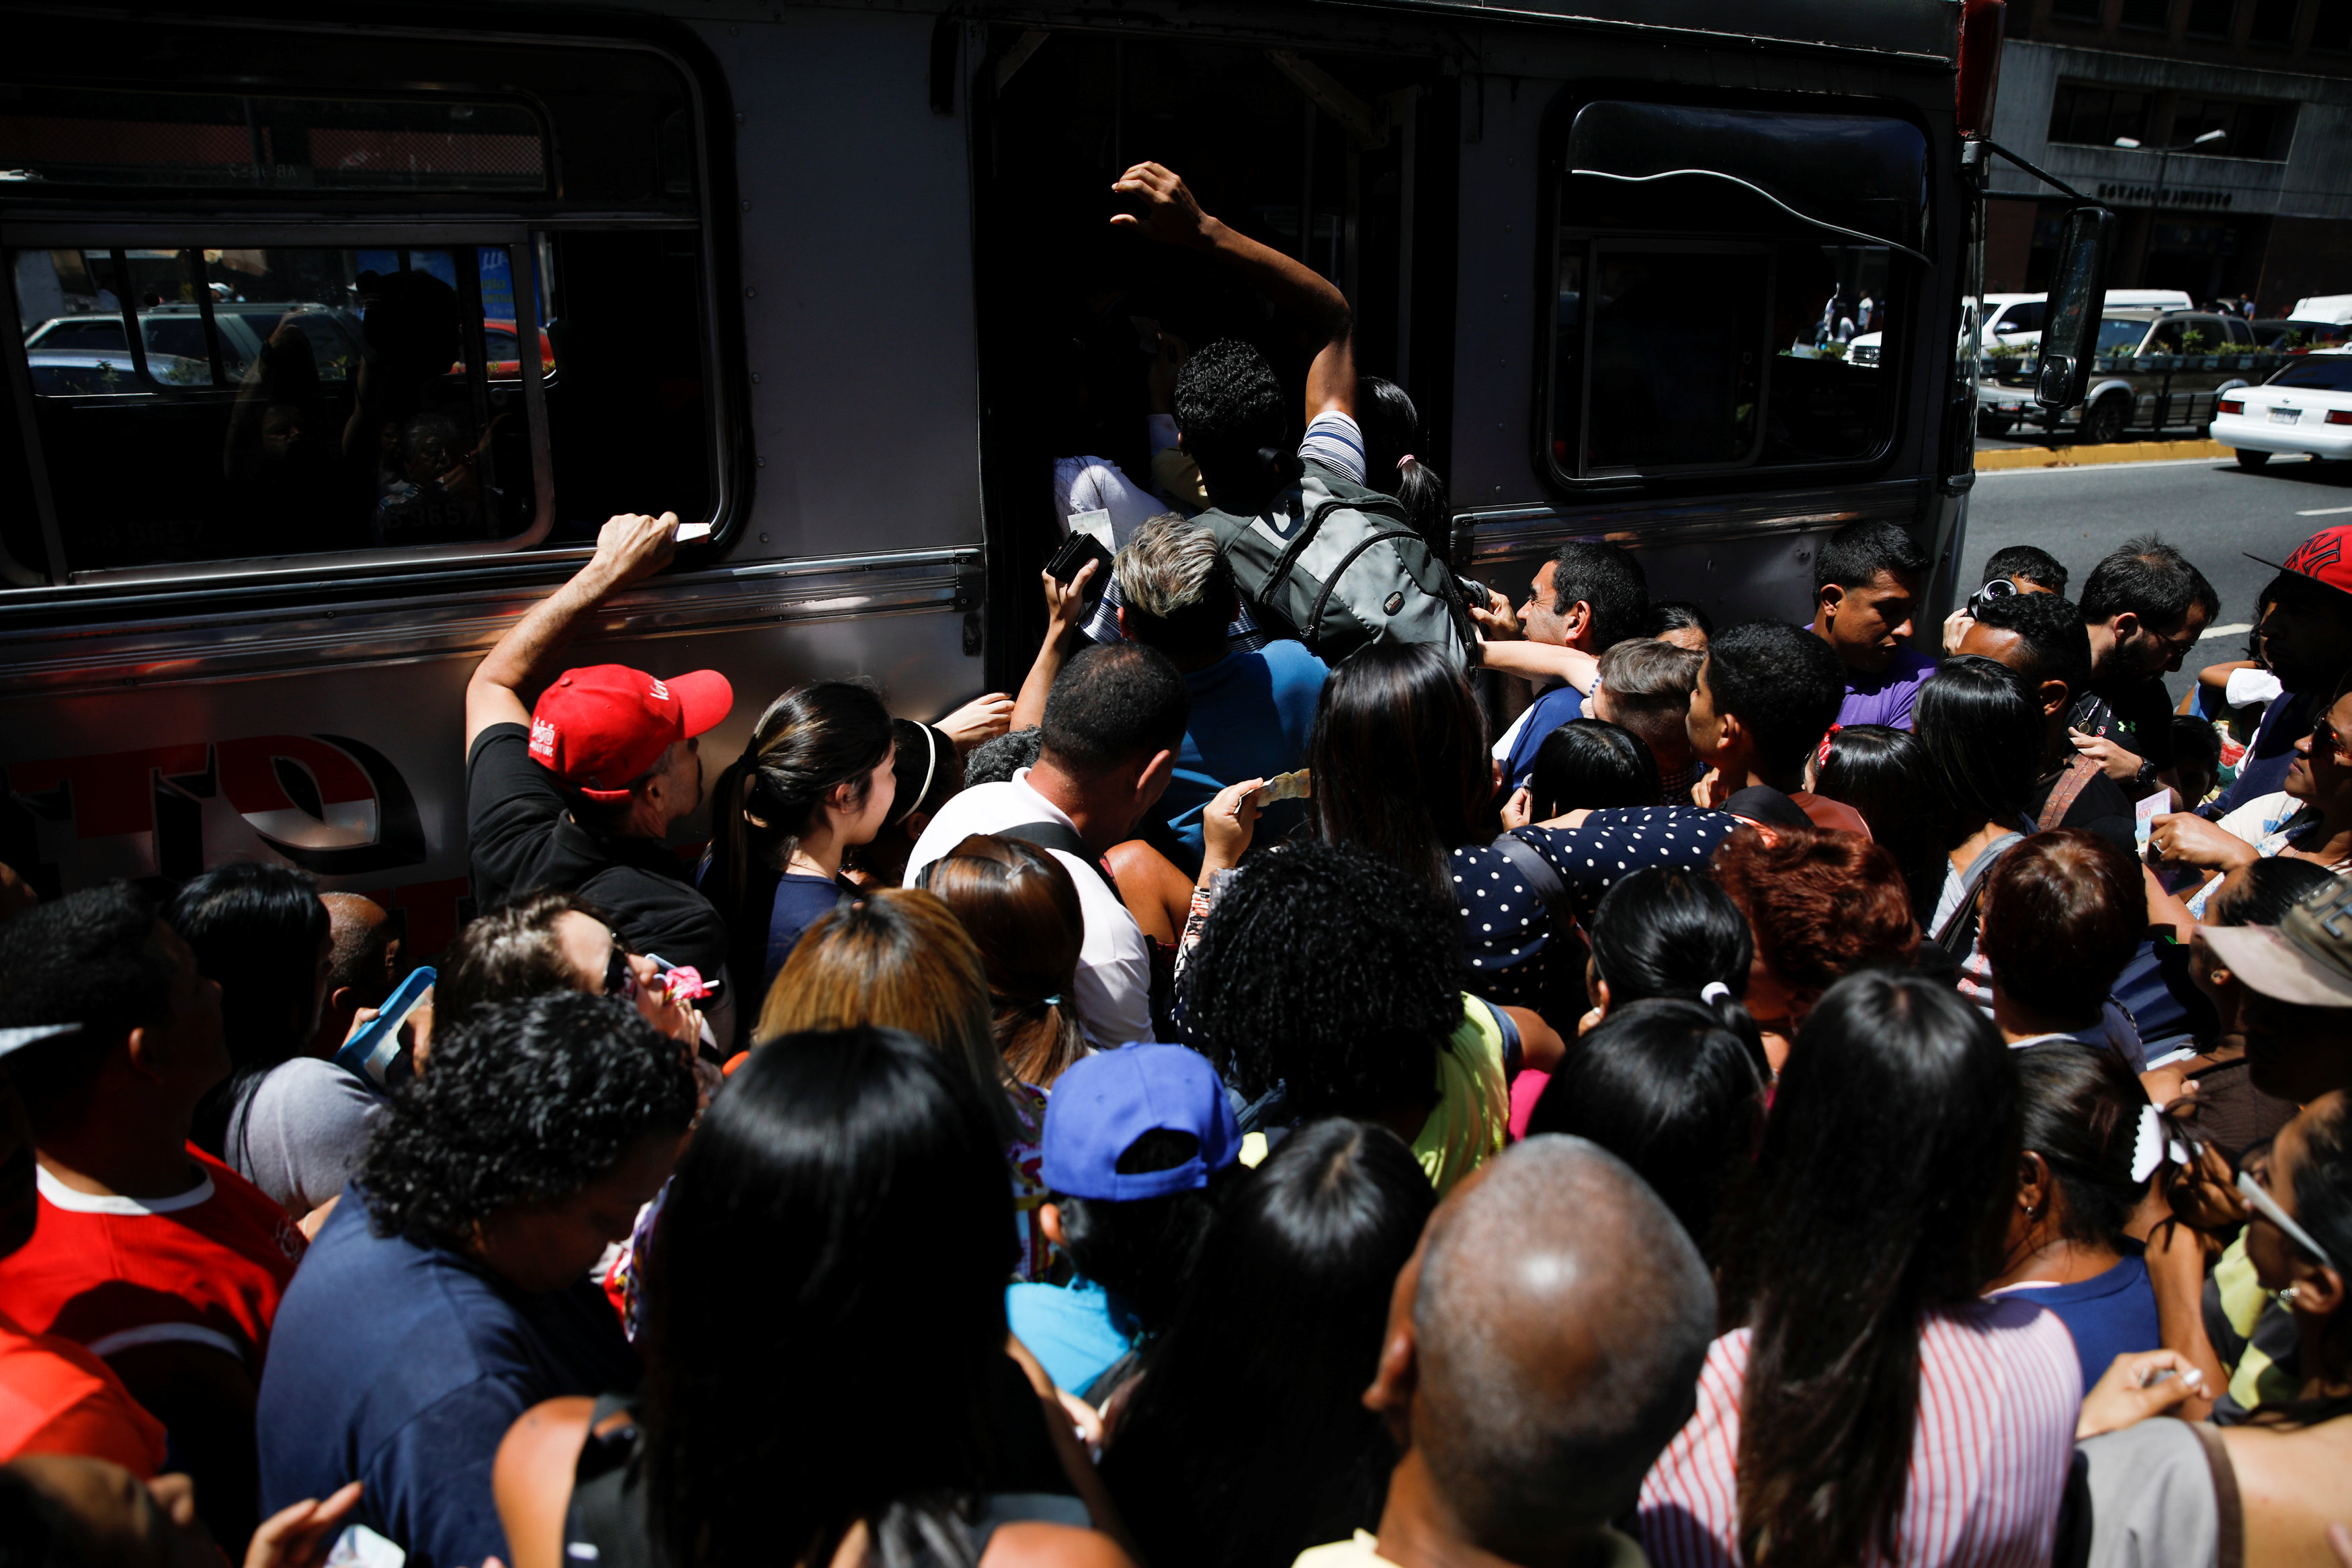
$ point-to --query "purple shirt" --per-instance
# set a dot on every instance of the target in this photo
(1887, 696)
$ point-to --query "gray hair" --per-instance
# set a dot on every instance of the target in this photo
(1561, 1319)
(1166, 566)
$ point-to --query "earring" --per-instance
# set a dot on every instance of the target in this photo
(2290, 1295)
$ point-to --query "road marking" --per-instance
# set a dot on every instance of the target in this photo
(2324, 511)
(2235, 627)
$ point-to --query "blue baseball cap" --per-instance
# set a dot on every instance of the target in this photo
(1103, 1103)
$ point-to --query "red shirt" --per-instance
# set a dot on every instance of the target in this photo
(208, 1266)
(57, 1399)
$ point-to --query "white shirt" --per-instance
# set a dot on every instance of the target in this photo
(1114, 980)
(1096, 484)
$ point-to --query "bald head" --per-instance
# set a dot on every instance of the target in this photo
(360, 931)
(1560, 1320)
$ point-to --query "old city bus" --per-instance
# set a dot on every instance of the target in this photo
(837, 281)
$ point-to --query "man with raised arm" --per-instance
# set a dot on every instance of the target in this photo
(578, 792)
(1230, 414)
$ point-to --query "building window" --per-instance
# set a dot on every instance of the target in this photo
(2147, 16)
(2332, 29)
(2273, 22)
(2211, 18)
(2094, 116)
(2083, 11)
(2250, 129)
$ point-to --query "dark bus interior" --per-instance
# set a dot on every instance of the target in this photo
(1344, 161)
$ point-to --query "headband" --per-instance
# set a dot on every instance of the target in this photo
(930, 767)
(1715, 993)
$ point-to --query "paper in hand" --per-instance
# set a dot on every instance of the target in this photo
(1284, 786)
(691, 533)
(2145, 813)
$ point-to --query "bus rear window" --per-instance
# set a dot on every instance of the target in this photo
(106, 136)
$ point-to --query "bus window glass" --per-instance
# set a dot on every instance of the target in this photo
(275, 401)
(52, 136)
(1715, 334)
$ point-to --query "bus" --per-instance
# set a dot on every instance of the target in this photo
(837, 281)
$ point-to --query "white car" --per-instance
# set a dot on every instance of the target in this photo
(2305, 407)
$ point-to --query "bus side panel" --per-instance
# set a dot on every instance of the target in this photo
(357, 773)
(857, 271)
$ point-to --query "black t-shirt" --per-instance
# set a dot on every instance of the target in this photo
(520, 837)
(2103, 808)
(2142, 716)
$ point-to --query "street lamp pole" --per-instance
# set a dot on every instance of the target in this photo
(2155, 207)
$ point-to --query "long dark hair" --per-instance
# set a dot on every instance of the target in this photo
(1981, 730)
(811, 740)
(1670, 931)
(848, 1188)
(255, 929)
(2323, 1206)
(1887, 1171)
(2082, 1115)
(1288, 1302)
(1394, 445)
(1593, 764)
(1884, 775)
(1399, 755)
(1666, 1088)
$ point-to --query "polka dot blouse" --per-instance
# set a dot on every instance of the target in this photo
(1507, 931)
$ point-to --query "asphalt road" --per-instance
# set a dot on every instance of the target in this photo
(2213, 511)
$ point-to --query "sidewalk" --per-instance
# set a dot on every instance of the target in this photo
(2114, 452)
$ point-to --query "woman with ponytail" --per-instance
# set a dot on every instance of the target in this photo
(1023, 911)
(1392, 434)
(814, 779)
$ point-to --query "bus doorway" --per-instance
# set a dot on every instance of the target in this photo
(1345, 161)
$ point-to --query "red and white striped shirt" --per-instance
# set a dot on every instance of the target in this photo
(1999, 1388)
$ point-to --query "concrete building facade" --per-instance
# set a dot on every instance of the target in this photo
(2264, 211)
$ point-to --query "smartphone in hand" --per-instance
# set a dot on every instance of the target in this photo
(1075, 552)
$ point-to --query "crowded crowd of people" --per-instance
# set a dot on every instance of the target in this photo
(1600, 1089)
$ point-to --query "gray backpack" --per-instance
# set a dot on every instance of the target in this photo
(1338, 565)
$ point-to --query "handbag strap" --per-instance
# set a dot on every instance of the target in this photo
(2062, 795)
(1542, 880)
(2229, 1520)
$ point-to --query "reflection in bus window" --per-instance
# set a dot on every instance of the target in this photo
(275, 402)
(1716, 336)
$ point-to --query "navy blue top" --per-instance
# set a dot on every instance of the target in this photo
(1547, 712)
(2109, 1314)
(403, 1366)
(2286, 720)
(801, 901)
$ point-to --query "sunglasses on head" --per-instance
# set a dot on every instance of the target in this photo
(2268, 1207)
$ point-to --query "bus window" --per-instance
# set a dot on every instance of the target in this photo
(397, 333)
(200, 403)
(1705, 322)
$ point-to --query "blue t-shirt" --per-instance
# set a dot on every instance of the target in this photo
(2286, 720)
(1887, 696)
(1069, 1328)
(1252, 713)
(403, 1366)
(2109, 1314)
(1561, 704)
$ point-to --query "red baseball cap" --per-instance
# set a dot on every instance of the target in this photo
(2325, 557)
(602, 729)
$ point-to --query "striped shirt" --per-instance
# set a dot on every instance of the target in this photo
(1999, 1390)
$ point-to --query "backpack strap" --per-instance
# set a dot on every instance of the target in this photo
(2230, 1532)
(2062, 795)
(1542, 879)
(1061, 836)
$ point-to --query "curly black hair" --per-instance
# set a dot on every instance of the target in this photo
(524, 1102)
(1326, 969)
